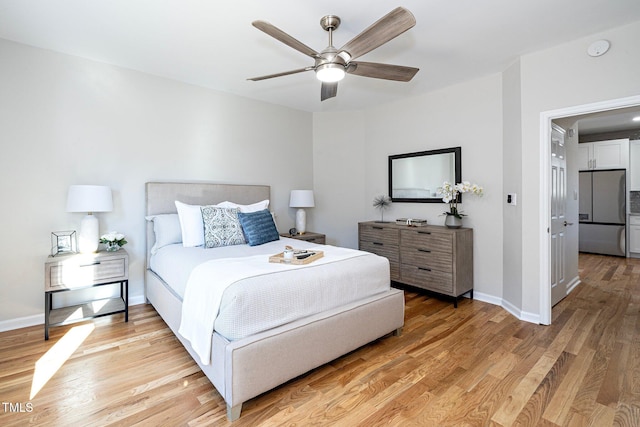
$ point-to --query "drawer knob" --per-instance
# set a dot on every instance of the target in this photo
(378, 243)
(424, 269)
(377, 228)
(424, 250)
(424, 232)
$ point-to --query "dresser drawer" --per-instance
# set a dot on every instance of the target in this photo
(427, 239)
(435, 280)
(426, 258)
(386, 250)
(86, 273)
(379, 234)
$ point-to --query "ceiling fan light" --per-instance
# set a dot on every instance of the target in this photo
(330, 73)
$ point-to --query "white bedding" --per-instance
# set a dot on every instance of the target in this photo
(261, 302)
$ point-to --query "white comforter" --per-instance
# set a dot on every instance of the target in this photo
(259, 282)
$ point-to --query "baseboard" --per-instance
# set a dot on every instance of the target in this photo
(21, 322)
(38, 319)
(573, 284)
(487, 298)
(512, 309)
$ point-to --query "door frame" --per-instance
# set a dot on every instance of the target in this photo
(545, 190)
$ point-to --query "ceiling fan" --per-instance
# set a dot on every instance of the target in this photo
(331, 64)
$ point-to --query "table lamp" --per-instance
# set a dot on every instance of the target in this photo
(301, 199)
(90, 199)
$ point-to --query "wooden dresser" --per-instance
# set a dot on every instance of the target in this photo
(430, 257)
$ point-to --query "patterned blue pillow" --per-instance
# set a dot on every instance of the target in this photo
(221, 227)
(258, 227)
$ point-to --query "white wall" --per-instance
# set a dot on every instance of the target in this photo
(339, 176)
(468, 115)
(66, 120)
(512, 183)
(562, 77)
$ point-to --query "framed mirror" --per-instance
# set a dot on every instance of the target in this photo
(415, 177)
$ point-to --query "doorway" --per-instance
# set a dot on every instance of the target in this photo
(546, 118)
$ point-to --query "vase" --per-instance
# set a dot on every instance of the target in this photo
(452, 221)
(113, 247)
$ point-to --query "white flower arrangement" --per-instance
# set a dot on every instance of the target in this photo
(113, 238)
(450, 193)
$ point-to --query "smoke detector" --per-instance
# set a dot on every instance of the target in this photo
(598, 48)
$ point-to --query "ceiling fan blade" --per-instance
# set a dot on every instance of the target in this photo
(382, 71)
(285, 38)
(328, 90)
(386, 28)
(284, 73)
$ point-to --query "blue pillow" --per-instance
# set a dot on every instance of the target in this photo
(258, 227)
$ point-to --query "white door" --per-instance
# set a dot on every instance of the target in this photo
(558, 215)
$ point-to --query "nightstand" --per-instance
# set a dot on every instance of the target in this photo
(66, 273)
(308, 236)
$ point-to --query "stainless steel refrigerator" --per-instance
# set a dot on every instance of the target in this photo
(603, 212)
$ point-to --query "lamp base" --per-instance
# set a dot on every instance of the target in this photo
(88, 239)
(301, 221)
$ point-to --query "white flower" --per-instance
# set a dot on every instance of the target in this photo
(113, 237)
(450, 193)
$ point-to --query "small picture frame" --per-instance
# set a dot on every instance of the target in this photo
(63, 242)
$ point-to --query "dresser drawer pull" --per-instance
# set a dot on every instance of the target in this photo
(424, 232)
(378, 243)
(89, 265)
(377, 228)
(424, 250)
(424, 269)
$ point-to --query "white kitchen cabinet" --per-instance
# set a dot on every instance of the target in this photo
(613, 154)
(634, 234)
(634, 165)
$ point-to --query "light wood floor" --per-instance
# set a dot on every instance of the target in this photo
(476, 365)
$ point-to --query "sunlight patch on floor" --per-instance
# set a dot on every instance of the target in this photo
(52, 360)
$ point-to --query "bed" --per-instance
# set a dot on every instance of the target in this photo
(244, 364)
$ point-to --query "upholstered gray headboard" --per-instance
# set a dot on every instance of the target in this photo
(161, 197)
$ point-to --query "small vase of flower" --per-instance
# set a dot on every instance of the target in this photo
(113, 241)
(450, 193)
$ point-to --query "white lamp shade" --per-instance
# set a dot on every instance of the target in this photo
(301, 199)
(89, 198)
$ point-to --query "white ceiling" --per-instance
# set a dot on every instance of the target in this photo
(212, 43)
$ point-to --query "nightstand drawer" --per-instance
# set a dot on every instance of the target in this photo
(87, 273)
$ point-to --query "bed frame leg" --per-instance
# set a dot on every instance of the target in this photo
(233, 412)
(397, 332)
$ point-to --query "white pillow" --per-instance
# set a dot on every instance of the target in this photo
(166, 228)
(255, 207)
(191, 224)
